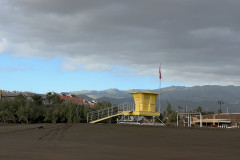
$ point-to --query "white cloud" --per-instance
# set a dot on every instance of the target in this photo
(3, 45)
(196, 41)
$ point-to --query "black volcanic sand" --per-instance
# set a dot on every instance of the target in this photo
(115, 142)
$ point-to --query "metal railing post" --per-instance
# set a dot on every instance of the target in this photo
(200, 120)
(177, 120)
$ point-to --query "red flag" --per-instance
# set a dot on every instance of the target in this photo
(160, 74)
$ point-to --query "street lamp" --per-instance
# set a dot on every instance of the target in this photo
(220, 102)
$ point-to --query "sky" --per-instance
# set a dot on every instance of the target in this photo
(75, 45)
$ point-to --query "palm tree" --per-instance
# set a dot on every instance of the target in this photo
(199, 109)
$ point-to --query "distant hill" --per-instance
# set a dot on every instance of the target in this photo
(205, 96)
(113, 93)
(116, 101)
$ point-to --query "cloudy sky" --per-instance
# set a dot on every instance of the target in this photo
(99, 44)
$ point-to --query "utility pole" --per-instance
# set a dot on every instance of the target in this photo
(220, 102)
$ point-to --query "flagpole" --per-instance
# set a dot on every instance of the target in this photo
(160, 78)
(159, 96)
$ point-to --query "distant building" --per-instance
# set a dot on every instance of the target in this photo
(72, 98)
(213, 122)
(92, 103)
(228, 119)
(78, 100)
(223, 120)
(1, 93)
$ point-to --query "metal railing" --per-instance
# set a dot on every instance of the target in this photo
(106, 112)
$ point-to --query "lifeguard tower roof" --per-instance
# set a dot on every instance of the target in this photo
(144, 92)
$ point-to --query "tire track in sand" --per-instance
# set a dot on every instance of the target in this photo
(55, 133)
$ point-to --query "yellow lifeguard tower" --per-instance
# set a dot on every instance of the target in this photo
(143, 112)
(145, 104)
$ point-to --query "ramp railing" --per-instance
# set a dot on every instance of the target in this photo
(108, 112)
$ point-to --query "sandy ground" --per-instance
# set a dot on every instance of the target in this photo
(115, 142)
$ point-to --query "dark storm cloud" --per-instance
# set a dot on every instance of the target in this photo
(196, 41)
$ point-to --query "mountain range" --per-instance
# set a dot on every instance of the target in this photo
(183, 98)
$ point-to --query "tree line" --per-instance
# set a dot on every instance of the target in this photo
(24, 110)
